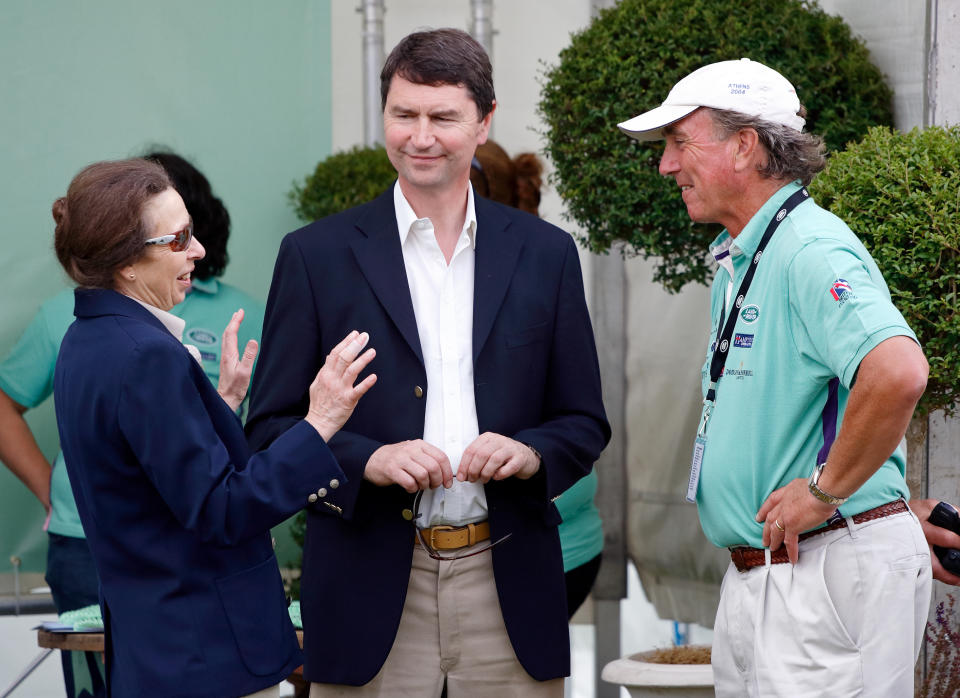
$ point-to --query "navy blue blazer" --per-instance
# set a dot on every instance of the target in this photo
(536, 380)
(176, 508)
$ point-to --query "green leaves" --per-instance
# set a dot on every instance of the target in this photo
(627, 60)
(345, 179)
(900, 193)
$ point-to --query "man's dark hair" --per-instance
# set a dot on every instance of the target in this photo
(441, 57)
(211, 222)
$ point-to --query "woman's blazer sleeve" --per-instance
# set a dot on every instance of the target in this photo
(192, 448)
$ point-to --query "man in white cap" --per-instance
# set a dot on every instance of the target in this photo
(810, 379)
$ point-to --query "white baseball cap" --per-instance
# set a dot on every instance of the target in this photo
(743, 86)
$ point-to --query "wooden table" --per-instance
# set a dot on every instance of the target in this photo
(79, 642)
(85, 642)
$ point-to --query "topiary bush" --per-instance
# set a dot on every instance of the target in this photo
(627, 60)
(900, 193)
(343, 180)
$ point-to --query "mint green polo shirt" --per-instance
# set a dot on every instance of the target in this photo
(818, 304)
(581, 531)
(26, 374)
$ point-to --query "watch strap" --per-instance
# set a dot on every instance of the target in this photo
(815, 490)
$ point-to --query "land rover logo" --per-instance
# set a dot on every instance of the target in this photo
(750, 313)
(781, 214)
(199, 336)
(756, 257)
(723, 345)
(739, 300)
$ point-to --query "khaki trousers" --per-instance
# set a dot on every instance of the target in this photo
(451, 628)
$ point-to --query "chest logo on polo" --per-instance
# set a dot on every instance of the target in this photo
(740, 373)
(842, 292)
(743, 341)
(201, 336)
(750, 314)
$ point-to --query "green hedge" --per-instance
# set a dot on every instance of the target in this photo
(627, 60)
(900, 193)
(345, 179)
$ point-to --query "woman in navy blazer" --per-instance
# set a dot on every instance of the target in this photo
(176, 508)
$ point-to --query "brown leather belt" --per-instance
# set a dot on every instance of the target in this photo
(745, 558)
(454, 537)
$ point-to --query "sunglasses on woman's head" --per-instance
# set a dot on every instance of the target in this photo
(178, 241)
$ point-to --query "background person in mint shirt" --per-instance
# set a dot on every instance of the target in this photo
(819, 383)
(26, 380)
(210, 302)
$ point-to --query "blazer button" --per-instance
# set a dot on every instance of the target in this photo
(418, 391)
(312, 498)
(334, 484)
(322, 492)
(407, 514)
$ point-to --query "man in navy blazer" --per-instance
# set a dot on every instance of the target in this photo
(487, 404)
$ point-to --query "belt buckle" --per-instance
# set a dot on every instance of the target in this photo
(438, 529)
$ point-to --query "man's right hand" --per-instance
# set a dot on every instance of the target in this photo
(414, 465)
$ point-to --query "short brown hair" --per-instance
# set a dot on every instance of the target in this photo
(100, 226)
(441, 57)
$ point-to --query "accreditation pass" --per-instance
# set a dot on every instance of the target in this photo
(698, 448)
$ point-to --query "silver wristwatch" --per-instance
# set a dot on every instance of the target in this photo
(820, 494)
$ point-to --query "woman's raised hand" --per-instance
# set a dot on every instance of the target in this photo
(235, 370)
(333, 394)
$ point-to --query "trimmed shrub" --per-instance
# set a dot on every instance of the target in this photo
(345, 179)
(900, 193)
(627, 60)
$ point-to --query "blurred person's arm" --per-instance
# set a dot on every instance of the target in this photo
(19, 450)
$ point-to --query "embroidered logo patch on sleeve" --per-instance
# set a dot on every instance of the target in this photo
(840, 288)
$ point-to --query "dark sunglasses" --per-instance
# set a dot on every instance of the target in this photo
(178, 241)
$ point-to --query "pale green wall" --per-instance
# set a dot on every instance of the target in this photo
(241, 88)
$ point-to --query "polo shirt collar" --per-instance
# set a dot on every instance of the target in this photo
(209, 286)
(407, 218)
(749, 238)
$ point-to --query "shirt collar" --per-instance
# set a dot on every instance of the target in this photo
(407, 218)
(173, 324)
(748, 239)
(209, 286)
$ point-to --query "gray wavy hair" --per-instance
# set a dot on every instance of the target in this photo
(790, 154)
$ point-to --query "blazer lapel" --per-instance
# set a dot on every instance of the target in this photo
(381, 260)
(497, 252)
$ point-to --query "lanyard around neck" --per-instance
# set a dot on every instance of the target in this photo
(722, 346)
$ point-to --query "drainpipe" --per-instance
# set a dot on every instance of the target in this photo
(373, 57)
(481, 24)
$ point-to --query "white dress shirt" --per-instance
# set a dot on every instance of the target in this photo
(442, 296)
(173, 324)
